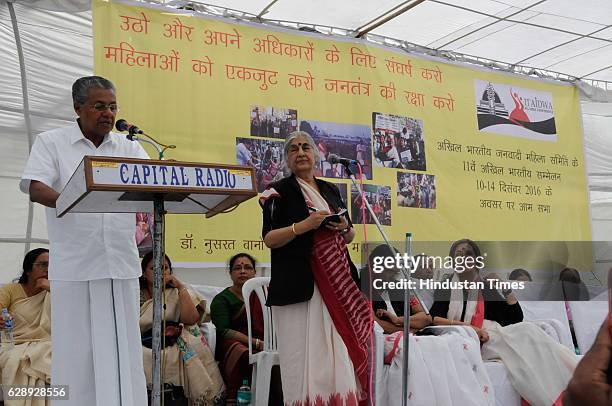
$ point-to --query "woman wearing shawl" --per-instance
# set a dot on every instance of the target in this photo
(539, 368)
(28, 363)
(187, 359)
(321, 318)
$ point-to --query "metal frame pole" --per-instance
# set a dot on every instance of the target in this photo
(406, 338)
(406, 274)
(158, 276)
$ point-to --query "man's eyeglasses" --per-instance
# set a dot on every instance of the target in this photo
(43, 265)
(102, 107)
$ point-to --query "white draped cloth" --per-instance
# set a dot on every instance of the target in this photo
(444, 370)
(539, 368)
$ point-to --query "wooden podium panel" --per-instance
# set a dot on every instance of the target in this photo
(126, 185)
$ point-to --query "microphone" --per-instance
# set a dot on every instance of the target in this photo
(123, 125)
(335, 159)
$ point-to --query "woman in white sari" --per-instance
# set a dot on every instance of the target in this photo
(321, 318)
(187, 359)
(539, 368)
(28, 362)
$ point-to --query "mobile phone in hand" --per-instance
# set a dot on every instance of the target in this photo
(335, 218)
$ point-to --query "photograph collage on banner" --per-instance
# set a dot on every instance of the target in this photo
(351, 141)
(416, 190)
(272, 122)
(399, 142)
(379, 198)
(265, 156)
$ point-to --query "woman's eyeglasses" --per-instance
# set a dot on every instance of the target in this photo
(43, 265)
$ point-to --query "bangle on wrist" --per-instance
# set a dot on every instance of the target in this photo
(293, 229)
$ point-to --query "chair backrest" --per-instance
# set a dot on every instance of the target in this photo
(259, 286)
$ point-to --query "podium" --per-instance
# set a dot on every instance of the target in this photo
(126, 185)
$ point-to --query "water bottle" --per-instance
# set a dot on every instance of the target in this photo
(6, 335)
(243, 396)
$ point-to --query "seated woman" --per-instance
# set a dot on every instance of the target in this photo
(28, 363)
(450, 369)
(187, 358)
(228, 314)
(539, 367)
(388, 304)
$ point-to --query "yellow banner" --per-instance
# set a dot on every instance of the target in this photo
(447, 151)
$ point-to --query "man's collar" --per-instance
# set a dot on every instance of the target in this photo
(77, 135)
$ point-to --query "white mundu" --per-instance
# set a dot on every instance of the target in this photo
(93, 269)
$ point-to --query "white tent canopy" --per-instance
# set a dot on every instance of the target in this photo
(46, 44)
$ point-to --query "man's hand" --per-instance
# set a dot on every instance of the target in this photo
(43, 194)
(589, 385)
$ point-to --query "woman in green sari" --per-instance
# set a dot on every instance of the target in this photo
(228, 314)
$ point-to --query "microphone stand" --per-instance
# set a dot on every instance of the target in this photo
(406, 273)
(158, 277)
(132, 136)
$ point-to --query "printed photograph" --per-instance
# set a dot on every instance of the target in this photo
(272, 122)
(265, 156)
(144, 232)
(399, 142)
(416, 190)
(379, 198)
(351, 141)
(343, 187)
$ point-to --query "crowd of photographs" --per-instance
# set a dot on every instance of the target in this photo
(265, 156)
(393, 141)
(351, 141)
(379, 198)
(272, 122)
(398, 142)
(416, 190)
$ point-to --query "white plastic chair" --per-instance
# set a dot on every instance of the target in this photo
(264, 360)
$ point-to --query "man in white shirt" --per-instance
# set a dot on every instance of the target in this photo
(93, 265)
